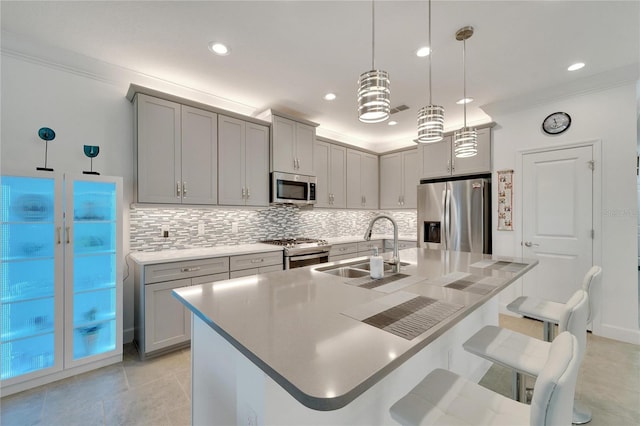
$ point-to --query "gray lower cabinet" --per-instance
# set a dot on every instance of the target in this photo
(161, 322)
(258, 263)
(402, 244)
(365, 248)
(351, 250)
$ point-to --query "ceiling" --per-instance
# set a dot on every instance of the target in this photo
(287, 54)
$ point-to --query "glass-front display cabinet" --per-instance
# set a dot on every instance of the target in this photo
(61, 300)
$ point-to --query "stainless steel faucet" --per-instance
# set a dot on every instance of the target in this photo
(395, 262)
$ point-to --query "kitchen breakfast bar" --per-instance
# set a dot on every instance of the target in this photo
(329, 345)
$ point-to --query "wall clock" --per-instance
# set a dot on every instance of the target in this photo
(556, 123)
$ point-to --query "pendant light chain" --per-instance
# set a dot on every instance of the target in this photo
(373, 35)
(430, 54)
(464, 80)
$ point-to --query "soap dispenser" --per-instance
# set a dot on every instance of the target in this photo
(376, 268)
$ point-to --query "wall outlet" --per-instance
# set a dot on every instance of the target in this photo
(165, 231)
(234, 227)
(200, 228)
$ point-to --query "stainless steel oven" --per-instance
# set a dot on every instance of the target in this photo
(300, 260)
(299, 252)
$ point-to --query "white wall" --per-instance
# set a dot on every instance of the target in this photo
(608, 116)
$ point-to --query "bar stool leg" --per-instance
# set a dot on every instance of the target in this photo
(548, 331)
(581, 413)
(518, 387)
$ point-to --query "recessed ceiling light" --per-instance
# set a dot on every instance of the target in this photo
(464, 101)
(576, 66)
(422, 52)
(219, 48)
(392, 123)
(330, 96)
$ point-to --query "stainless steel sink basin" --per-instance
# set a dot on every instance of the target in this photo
(353, 270)
(345, 272)
(366, 266)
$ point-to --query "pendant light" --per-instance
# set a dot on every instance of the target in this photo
(465, 140)
(374, 104)
(430, 117)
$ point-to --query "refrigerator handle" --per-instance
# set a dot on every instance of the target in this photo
(445, 233)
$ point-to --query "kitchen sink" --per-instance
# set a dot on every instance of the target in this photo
(366, 266)
(345, 272)
(353, 270)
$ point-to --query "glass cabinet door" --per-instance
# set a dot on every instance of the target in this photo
(94, 233)
(31, 270)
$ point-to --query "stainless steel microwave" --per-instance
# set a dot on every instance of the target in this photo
(293, 189)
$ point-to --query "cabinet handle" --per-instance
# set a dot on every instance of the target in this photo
(184, 189)
(448, 165)
(364, 198)
(257, 260)
(342, 249)
(243, 192)
(248, 193)
(58, 234)
(68, 232)
(453, 165)
(178, 189)
(190, 269)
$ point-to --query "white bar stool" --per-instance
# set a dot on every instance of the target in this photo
(444, 397)
(550, 312)
(527, 355)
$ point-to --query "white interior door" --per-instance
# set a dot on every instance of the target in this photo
(557, 220)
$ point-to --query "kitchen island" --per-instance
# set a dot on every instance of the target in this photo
(307, 346)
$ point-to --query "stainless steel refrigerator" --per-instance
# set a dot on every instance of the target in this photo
(455, 215)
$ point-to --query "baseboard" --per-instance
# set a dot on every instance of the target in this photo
(618, 333)
(127, 335)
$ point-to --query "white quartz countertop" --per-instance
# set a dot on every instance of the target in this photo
(293, 324)
(152, 257)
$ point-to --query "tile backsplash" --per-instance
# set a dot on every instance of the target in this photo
(253, 225)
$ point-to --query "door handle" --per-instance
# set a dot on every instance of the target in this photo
(530, 244)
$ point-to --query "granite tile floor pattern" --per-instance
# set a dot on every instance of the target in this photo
(158, 391)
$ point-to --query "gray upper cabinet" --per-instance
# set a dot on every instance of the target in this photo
(244, 163)
(177, 149)
(438, 159)
(292, 146)
(399, 180)
(362, 180)
(331, 170)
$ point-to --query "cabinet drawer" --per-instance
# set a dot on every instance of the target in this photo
(367, 246)
(254, 271)
(342, 257)
(210, 278)
(388, 245)
(341, 249)
(179, 270)
(258, 260)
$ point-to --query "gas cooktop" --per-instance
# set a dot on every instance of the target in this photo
(300, 245)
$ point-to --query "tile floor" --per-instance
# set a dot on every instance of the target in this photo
(157, 391)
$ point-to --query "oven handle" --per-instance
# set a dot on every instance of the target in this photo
(309, 256)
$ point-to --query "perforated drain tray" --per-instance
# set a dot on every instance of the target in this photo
(413, 317)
